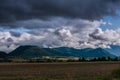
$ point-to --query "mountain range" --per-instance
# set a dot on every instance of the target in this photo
(29, 51)
(34, 52)
(86, 53)
(114, 49)
(3, 54)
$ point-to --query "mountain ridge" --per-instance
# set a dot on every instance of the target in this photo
(3, 54)
(30, 51)
(88, 52)
(35, 51)
(114, 49)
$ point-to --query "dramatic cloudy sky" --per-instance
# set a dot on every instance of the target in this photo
(57, 23)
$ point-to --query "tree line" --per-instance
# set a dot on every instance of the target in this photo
(58, 59)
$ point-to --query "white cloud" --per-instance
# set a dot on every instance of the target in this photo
(76, 33)
(107, 37)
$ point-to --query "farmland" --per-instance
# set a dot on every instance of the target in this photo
(59, 71)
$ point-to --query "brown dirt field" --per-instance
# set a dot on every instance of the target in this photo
(57, 70)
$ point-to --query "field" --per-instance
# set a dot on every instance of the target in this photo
(59, 71)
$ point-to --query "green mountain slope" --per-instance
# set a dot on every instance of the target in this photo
(34, 51)
(3, 54)
(87, 52)
(114, 50)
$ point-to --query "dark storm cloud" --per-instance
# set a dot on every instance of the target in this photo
(15, 34)
(9, 40)
(12, 10)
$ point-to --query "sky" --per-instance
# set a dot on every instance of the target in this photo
(59, 23)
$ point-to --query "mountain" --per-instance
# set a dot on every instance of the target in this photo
(99, 52)
(86, 53)
(114, 49)
(3, 54)
(34, 51)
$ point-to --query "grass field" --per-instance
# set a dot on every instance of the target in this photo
(60, 71)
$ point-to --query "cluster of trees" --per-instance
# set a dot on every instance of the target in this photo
(105, 59)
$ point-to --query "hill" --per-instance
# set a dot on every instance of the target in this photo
(86, 53)
(3, 54)
(114, 50)
(35, 51)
